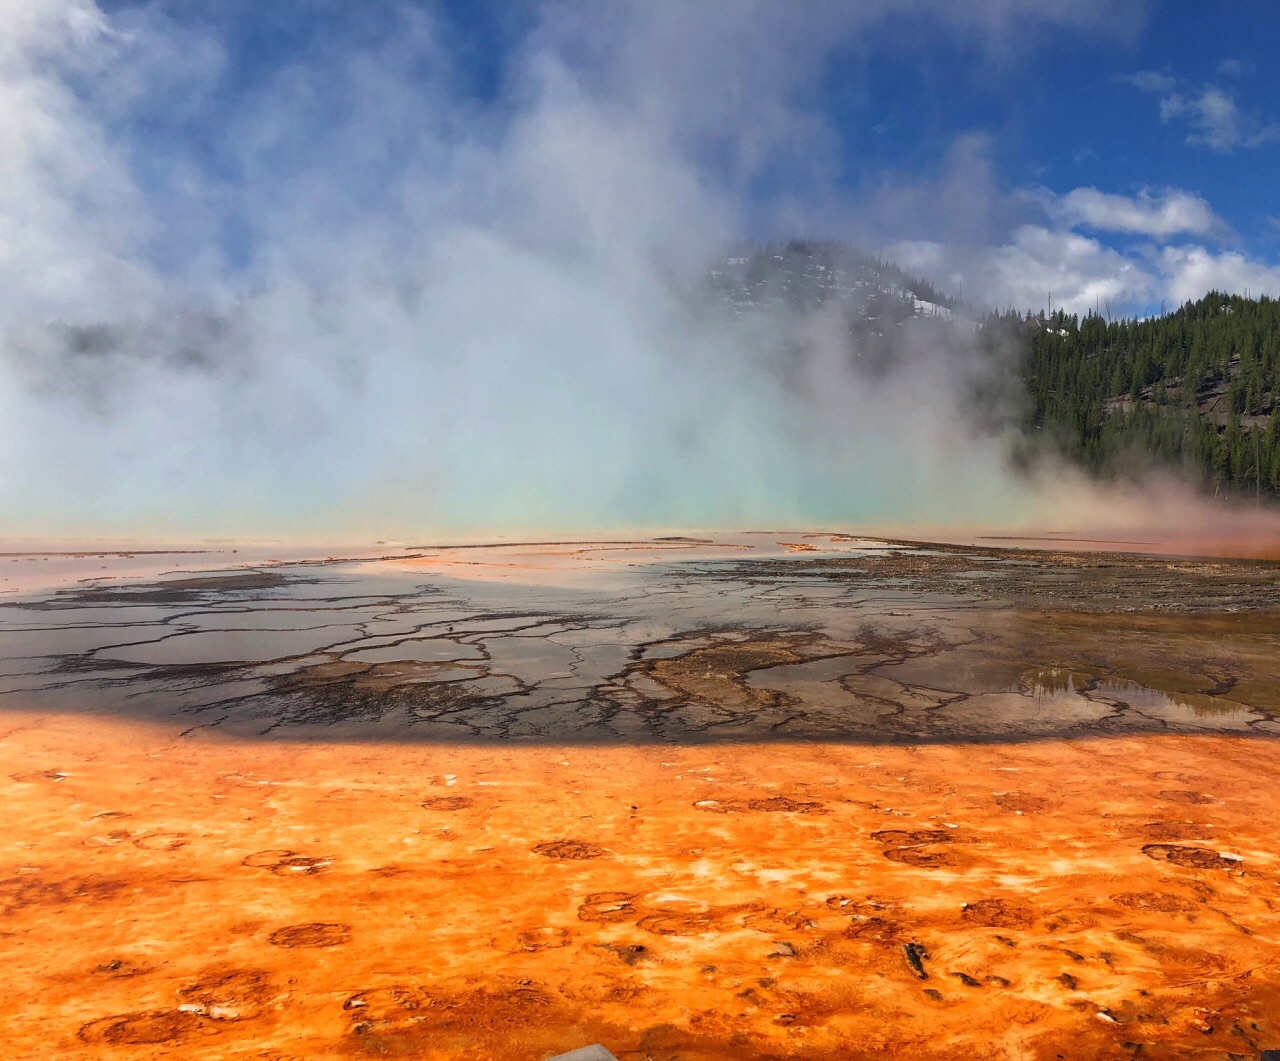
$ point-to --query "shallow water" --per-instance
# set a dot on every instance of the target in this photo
(560, 643)
(1054, 686)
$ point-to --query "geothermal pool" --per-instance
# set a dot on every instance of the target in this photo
(755, 795)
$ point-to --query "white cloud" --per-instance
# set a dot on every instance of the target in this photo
(1102, 15)
(1153, 81)
(1217, 122)
(1236, 68)
(1215, 118)
(1082, 273)
(1079, 271)
(1190, 272)
(1011, 249)
(1155, 213)
(1037, 262)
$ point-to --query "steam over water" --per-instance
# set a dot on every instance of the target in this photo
(371, 290)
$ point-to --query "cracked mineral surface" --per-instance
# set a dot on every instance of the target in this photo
(767, 795)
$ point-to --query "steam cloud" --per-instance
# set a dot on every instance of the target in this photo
(361, 295)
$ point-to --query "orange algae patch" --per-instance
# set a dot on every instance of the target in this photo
(198, 898)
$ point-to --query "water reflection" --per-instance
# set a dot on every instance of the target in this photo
(1057, 686)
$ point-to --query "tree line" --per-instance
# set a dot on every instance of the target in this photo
(1198, 388)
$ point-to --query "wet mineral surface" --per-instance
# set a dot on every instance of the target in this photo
(757, 796)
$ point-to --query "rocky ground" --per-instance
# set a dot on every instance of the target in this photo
(761, 796)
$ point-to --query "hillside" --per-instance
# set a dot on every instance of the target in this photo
(1198, 388)
(875, 296)
(884, 310)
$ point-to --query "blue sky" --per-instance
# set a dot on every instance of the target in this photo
(1182, 102)
(1012, 105)
(1082, 107)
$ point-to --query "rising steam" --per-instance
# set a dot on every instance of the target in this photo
(361, 294)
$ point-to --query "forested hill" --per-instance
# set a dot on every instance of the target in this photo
(804, 274)
(1197, 388)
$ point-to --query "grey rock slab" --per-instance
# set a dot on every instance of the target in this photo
(595, 1052)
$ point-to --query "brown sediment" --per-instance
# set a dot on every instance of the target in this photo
(717, 674)
(1085, 581)
(499, 901)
